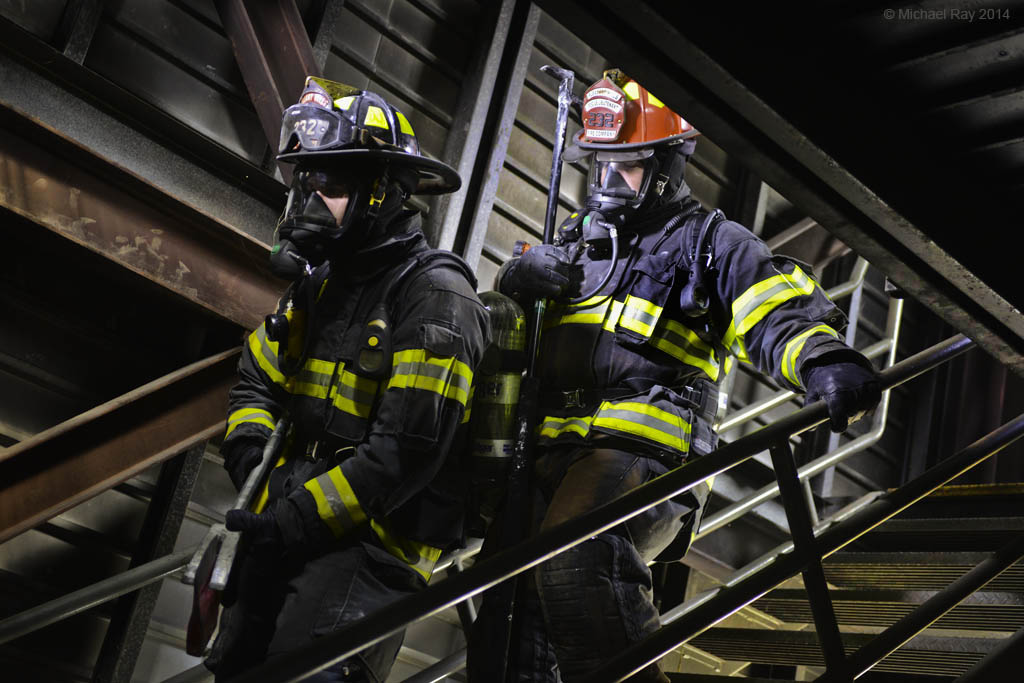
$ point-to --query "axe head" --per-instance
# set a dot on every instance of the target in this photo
(205, 604)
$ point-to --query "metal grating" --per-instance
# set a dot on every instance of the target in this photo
(987, 611)
(921, 571)
(922, 655)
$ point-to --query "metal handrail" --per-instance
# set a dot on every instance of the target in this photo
(509, 562)
(58, 609)
(94, 594)
(817, 466)
(727, 600)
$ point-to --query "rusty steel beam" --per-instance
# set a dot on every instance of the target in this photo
(273, 53)
(59, 185)
(77, 459)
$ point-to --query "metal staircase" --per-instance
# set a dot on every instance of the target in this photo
(887, 573)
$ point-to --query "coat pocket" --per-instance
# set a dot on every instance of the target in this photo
(432, 377)
(651, 282)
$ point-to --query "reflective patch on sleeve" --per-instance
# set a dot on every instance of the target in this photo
(420, 556)
(251, 415)
(761, 299)
(265, 353)
(336, 502)
(793, 348)
(420, 369)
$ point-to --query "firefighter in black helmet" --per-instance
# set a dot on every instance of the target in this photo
(371, 354)
(631, 355)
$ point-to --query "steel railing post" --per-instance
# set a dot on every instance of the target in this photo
(802, 531)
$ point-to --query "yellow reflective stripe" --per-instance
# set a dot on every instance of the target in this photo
(353, 394)
(375, 117)
(469, 405)
(420, 369)
(632, 90)
(336, 502)
(264, 495)
(554, 427)
(403, 124)
(323, 508)
(265, 353)
(420, 556)
(589, 312)
(795, 346)
(639, 315)
(761, 299)
(683, 344)
(314, 379)
(644, 420)
(296, 332)
(254, 415)
(613, 317)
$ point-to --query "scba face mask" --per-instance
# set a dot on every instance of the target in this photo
(320, 218)
(619, 184)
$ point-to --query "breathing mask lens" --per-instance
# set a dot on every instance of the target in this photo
(618, 178)
(328, 183)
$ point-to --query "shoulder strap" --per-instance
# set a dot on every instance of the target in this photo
(374, 359)
(423, 262)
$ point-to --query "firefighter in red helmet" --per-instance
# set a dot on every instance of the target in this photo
(654, 297)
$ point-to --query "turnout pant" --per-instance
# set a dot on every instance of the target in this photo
(588, 603)
(282, 605)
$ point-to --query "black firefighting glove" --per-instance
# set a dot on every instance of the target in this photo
(280, 525)
(241, 459)
(849, 389)
(542, 271)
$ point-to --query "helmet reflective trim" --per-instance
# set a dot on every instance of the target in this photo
(375, 117)
(403, 124)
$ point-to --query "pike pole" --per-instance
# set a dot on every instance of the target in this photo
(518, 506)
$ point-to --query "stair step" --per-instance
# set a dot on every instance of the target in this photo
(922, 655)
(971, 500)
(915, 571)
(982, 611)
(942, 534)
(712, 678)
